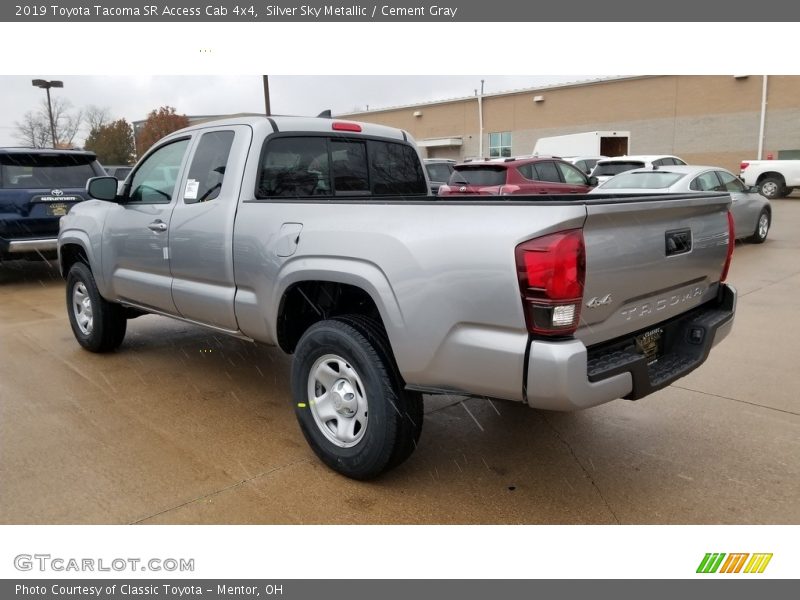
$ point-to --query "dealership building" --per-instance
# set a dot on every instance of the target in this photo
(716, 120)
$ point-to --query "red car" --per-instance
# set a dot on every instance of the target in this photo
(509, 176)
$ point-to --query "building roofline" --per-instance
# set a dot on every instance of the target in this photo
(545, 88)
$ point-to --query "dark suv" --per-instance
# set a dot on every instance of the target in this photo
(511, 176)
(37, 187)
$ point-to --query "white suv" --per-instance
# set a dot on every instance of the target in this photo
(608, 167)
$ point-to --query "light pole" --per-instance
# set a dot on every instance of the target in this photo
(46, 85)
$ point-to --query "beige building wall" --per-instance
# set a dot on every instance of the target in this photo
(703, 119)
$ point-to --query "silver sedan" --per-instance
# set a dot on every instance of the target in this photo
(752, 213)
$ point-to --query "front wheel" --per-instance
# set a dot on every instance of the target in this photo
(762, 228)
(98, 325)
(348, 403)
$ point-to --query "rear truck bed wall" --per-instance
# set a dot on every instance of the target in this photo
(443, 277)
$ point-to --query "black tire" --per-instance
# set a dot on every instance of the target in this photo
(412, 416)
(108, 322)
(771, 187)
(760, 233)
(386, 435)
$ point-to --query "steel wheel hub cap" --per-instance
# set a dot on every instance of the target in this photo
(82, 308)
(763, 226)
(338, 401)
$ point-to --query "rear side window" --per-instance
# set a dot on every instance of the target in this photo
(208, 167)
(320, 166)
(729, 182)
(21, 170)
(487, 176)
(615, 168)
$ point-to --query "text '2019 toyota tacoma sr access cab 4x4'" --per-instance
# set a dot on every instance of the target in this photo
(319, 236)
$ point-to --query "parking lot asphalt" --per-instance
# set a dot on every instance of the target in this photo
(184, 426)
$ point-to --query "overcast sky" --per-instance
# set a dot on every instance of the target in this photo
(133, 97)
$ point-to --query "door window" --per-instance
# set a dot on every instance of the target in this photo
(207, 170)
(154, 181)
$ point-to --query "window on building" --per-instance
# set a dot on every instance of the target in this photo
(500, 144)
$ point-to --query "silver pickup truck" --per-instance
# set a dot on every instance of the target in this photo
(319, 236)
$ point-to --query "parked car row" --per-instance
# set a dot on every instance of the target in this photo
(640, 174)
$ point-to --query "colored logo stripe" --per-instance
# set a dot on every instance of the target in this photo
(758, 563)
(710, 563)
(733, 564)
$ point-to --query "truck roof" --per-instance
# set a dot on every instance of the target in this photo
(288, 124)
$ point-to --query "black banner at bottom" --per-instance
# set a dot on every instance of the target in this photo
(733, 588)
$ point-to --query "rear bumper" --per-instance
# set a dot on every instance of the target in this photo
(28, 246)
(568, 376)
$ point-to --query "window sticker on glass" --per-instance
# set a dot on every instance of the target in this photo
(192, 185)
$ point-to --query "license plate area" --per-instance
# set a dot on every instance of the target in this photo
(650, 344)
(56, 209)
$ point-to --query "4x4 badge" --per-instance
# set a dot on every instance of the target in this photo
(596, 301)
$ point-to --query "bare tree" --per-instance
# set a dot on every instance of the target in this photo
(96, 116)
(34, 129)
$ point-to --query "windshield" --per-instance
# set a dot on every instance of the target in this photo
(615, 168)
(642, 180)
(478, 176)
(21, 170)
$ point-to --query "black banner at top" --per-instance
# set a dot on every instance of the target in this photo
(534, 11)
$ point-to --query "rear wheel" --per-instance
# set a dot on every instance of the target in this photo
(771, 187)
(98, 325)
(762, 228)
(348, 401)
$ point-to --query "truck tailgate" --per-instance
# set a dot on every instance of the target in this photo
(650, 259)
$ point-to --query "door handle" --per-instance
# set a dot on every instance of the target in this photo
(157, 226)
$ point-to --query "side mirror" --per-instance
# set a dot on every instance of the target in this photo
(102, 188)
(593, 181)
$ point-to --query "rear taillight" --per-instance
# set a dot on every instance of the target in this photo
(731, 245)
(508, 190)
(551, 271)
(743, 166)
